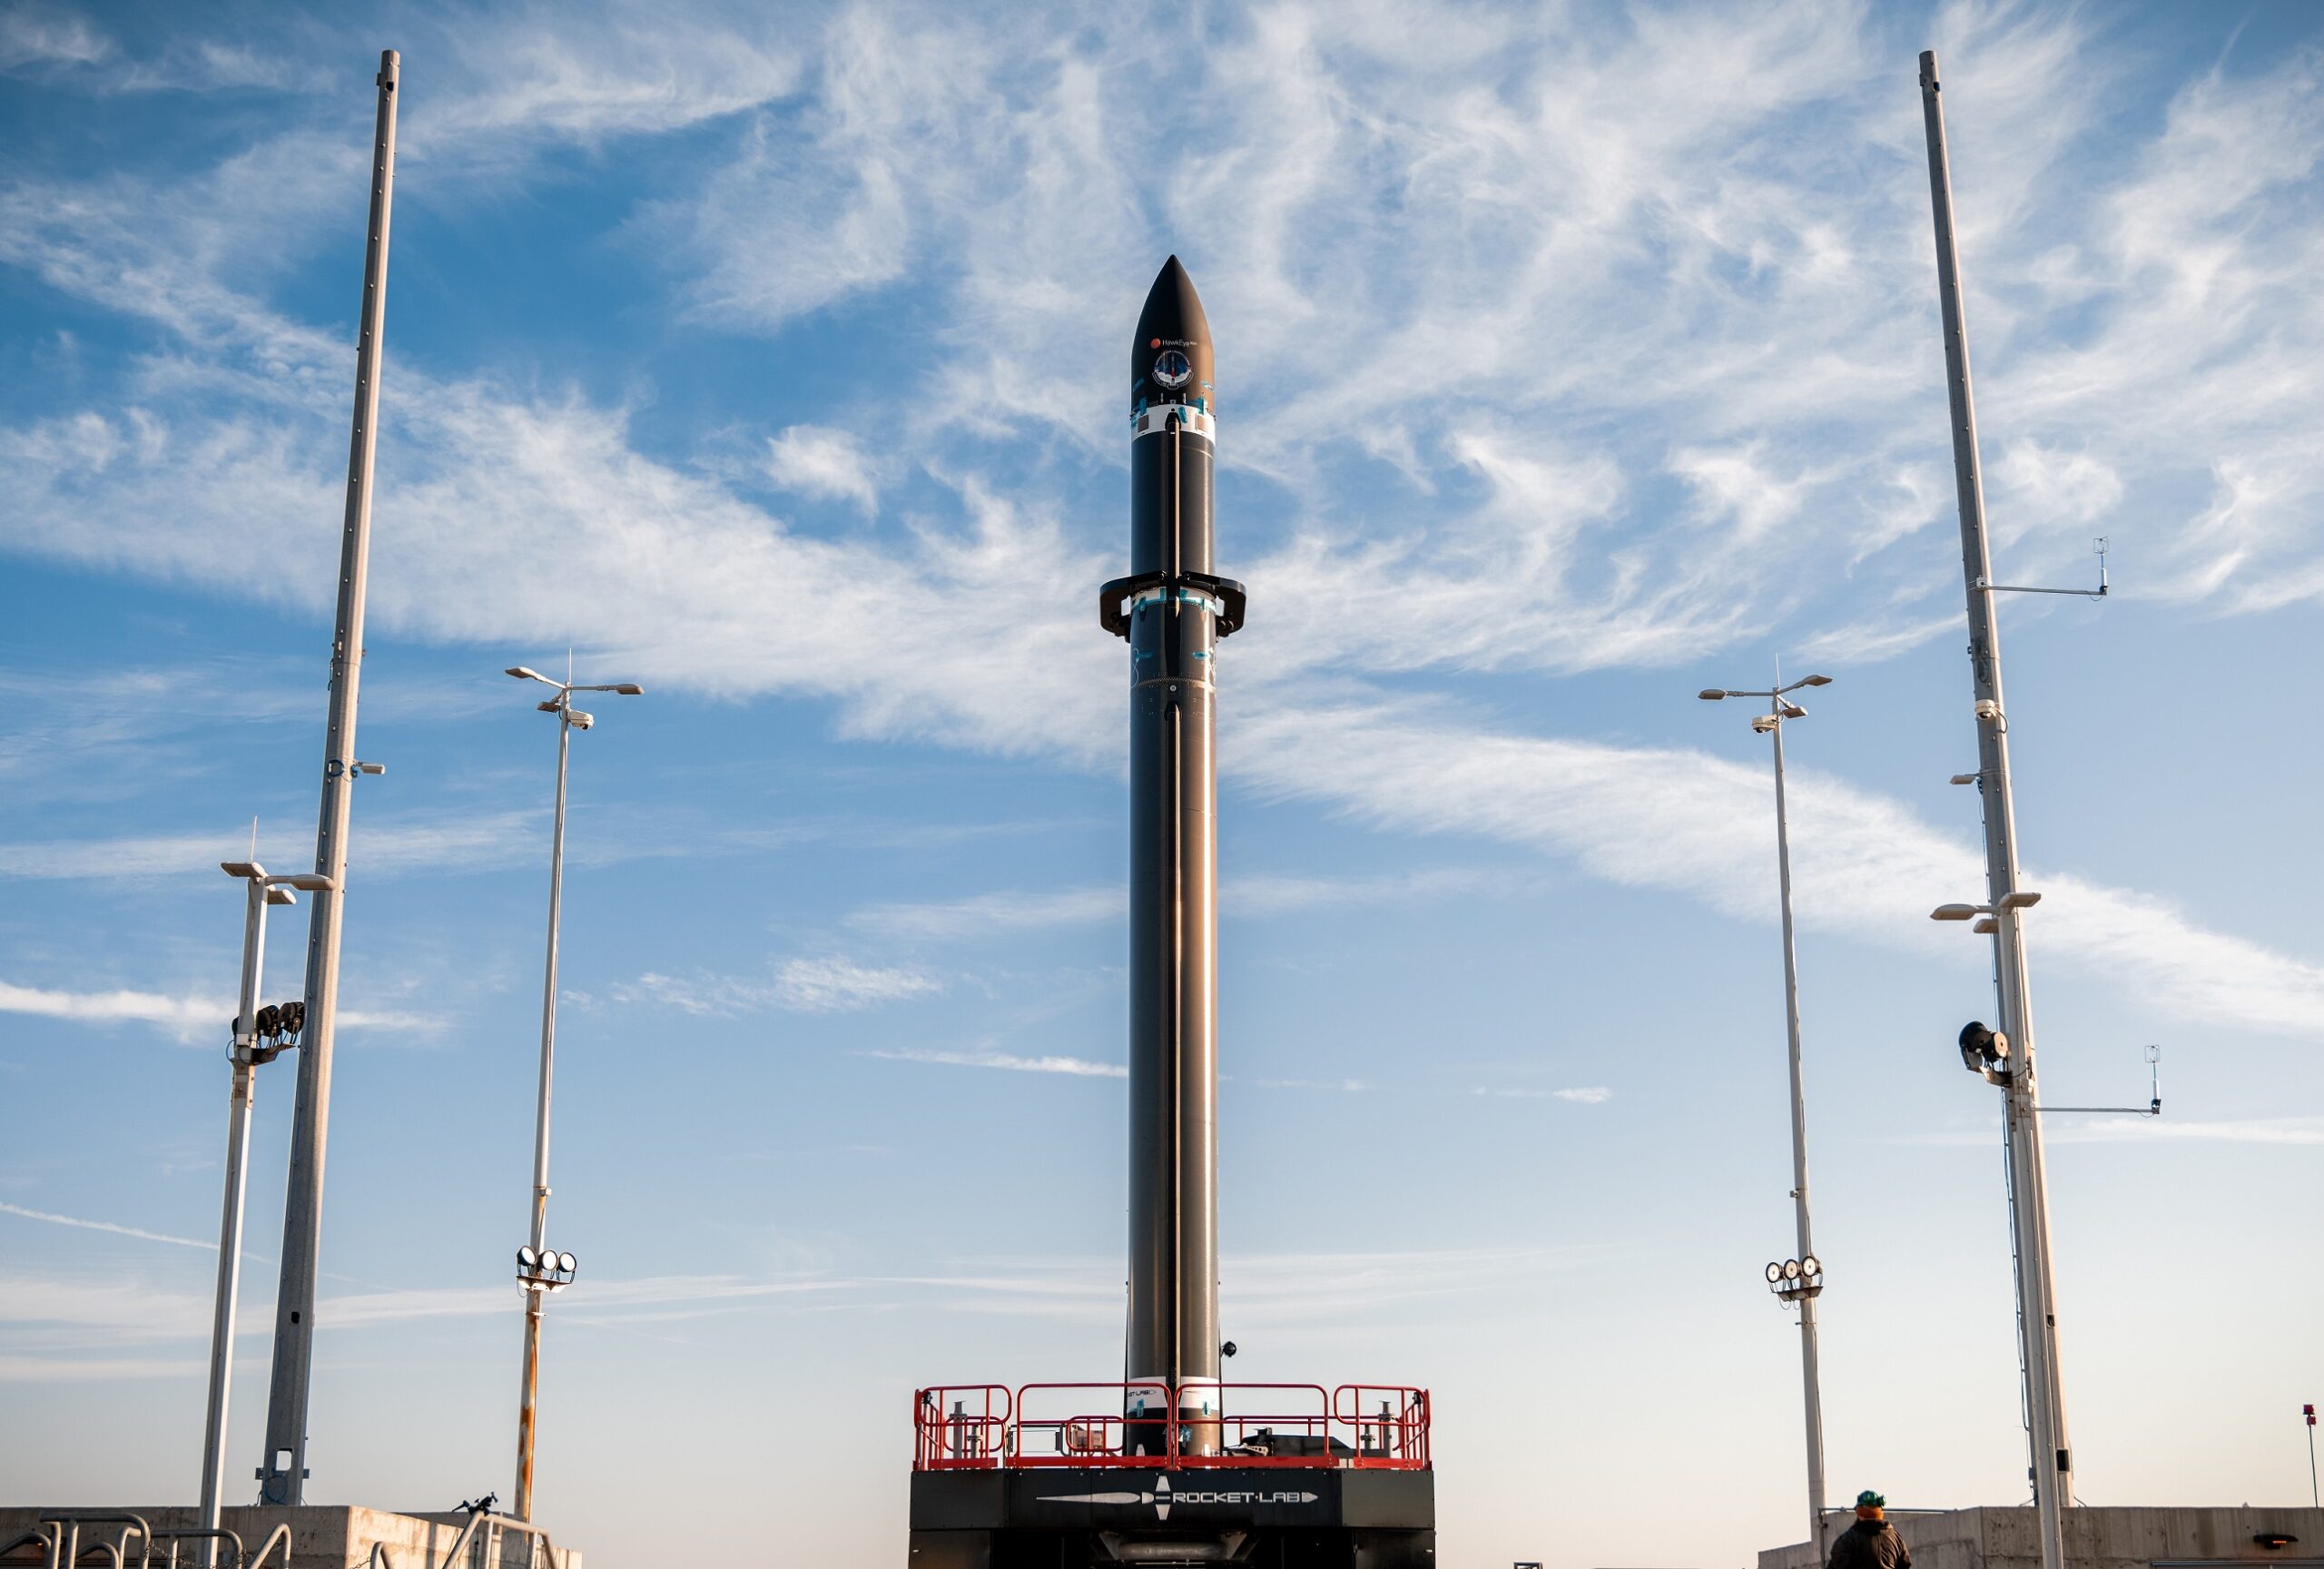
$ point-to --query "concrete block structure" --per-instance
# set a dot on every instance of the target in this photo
(322, 1537)
(2095, 1538)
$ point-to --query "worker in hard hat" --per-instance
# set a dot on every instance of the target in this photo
(1871, 1543)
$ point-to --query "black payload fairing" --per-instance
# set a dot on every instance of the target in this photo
(1172, 610)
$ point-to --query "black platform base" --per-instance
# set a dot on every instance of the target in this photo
(1261, 1518)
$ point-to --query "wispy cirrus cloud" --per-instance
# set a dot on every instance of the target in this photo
(1249, 894)
(821, 984)
(1601, 246)
(187, 1019)
(1071, 1067)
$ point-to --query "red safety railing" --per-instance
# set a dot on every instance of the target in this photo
(1391, 1422)
(985, 1426)
(960, 1428)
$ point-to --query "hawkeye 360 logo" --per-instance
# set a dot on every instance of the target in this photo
(1164, 1496)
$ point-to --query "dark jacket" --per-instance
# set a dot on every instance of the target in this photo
(1870, 1545)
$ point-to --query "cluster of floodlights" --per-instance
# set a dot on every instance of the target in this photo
(1796, 1278)
(544, 1268)
(276, 1028)
(1984, 1051)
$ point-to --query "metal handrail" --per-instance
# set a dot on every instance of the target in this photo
(64, 1548)
(232, 1539)
(280, 1534)
(499, 1522)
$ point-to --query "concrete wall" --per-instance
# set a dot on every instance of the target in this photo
(2095, 1538)
(322, 1537)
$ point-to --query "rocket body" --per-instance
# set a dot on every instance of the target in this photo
(1172, 610)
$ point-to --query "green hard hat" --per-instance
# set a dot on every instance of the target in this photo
(1868, 1499)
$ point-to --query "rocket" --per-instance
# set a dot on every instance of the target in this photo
(1173, 611)
(1193, 1471)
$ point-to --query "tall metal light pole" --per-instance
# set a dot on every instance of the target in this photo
(538, 1271)
(283, 1477)
(2053, 1468)
(259, 1035)
(1803, 1285)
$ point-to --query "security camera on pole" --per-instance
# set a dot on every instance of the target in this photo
(1799, 1280)
(539, 1269)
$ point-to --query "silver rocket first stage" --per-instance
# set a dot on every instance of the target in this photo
(1172, 610)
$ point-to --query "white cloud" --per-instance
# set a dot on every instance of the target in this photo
(106, 1225)
(806, 985)
(1250, 893)
(188, 1019)
(1002, 912)
(182, 1016)
(817, 460)
(1694, 825)
(828, 984)
(1586, 1095)
(37, 36)
(1691, 252)
(1073, 1067)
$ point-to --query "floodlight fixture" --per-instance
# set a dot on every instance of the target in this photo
(277, 894)
(1815, 681)
(1957, 912)
(374, 768)
(526, 673)
(551, 706)
(2022, 899)
(1710, 694)
(1966, 778)
(630, 689)
(1985, 926)
(1790, 710)
(1791, 1269)
(242, 868)
(1811, 1265)
(311, 881)
(527, 1259)
(1775, 1274)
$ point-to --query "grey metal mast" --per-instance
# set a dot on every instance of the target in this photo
(282, 1476)
(541, 1271)
(1176, 612)
(1808, 1366)
(1804, 1288)
(244, 1055)
(2052, 1468)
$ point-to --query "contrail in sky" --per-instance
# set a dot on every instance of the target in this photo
(108, 1226)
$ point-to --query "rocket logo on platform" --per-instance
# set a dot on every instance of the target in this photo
(1172, 369)
(1162, 1498)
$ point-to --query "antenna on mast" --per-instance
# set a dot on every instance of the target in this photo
(2098, 548)
(2154, 1108)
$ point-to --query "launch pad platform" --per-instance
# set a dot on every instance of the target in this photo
(1272, 1476)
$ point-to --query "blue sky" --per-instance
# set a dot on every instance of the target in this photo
(1571, 361)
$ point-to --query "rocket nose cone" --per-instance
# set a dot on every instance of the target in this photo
(1169, 360)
